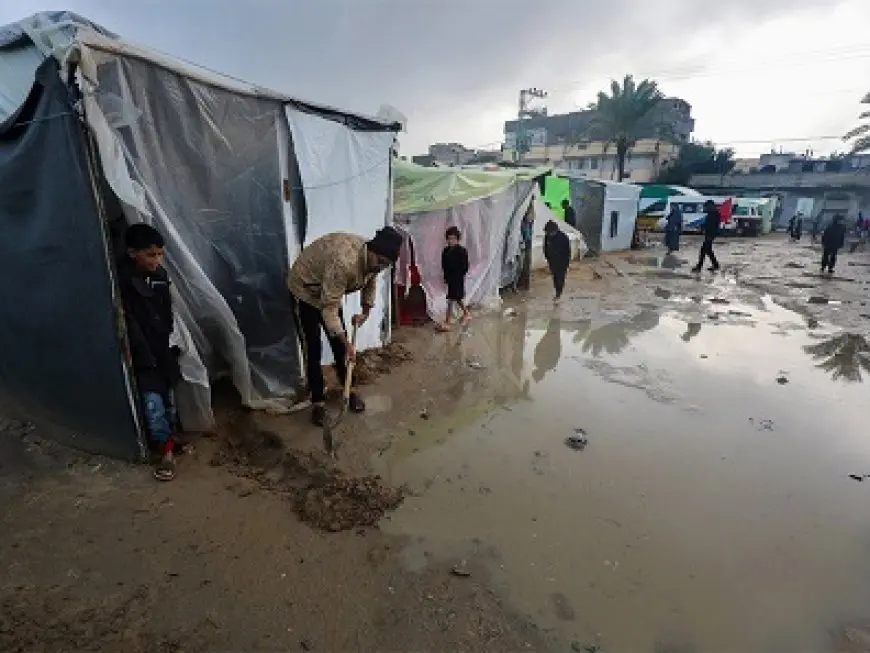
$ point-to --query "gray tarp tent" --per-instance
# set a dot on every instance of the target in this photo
(107, 133)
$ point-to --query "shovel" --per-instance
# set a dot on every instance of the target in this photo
(330, 425)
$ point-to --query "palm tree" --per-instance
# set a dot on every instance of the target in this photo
(620, 115)
(860, 136)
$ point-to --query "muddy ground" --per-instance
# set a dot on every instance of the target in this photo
(423, 535)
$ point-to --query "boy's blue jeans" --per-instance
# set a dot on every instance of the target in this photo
(160, 419)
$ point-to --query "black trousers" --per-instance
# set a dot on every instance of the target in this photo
(309, 324)
(707, 250)
(559, 275)
(829, 259)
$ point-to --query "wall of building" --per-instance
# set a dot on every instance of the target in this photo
(598, 161)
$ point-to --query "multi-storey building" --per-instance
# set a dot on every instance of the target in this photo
(566, 141)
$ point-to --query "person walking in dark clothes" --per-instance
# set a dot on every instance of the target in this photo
(454, 266)
(673, 229)
(570, 214)
(833, 239)
(328, 269)
(711, 230)
(557, 251)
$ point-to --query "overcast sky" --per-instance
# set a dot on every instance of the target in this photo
(753, 70)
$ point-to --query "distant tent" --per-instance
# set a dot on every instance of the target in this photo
(606, 212)
(96, 133)
(487, 206)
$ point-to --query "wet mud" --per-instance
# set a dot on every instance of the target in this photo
(320, 493)
(710, 505)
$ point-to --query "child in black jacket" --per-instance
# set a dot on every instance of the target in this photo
(454, 265)
(148, 310)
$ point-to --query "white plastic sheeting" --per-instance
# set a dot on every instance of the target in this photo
(346, 182)
(490, 233)
(18, 66)
(214, 192)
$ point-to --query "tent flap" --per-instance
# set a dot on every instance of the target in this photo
(345, 179)
(61, 355)
(202, 165)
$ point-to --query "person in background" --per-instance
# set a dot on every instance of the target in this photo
(711, 230)
(797, 227)
(557, 251)
(329, 268)
(673, 229)
(833, 239)
(570, 215)
(144, 286)
(454, 266)
(859, 227)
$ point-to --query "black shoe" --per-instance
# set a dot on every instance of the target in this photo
(696, 269)
(713, 268)
(318, 415)
(355, 403)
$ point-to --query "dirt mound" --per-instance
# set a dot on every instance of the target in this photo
(322, 495)
(375, 362)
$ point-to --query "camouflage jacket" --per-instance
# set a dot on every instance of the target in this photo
(331, 267)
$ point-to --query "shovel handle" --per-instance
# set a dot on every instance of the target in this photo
(348, 378)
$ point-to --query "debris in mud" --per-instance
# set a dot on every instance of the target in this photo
(762, 424)
(858, 477)
(461, 570)
(306, 645)
(424, 414)
(578, 441)
(719, 300)
(816, 299)
(663, 293)
(476, 365)
(782, 380)
(322, 495)
(374, 363)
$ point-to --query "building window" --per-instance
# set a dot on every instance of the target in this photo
(593, 163)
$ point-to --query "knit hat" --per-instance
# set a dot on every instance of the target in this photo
(387, 243)
(551, 226)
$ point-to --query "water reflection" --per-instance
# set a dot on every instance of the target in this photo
(614, 337)
(548, 351)
(843, 356)
(692, 329)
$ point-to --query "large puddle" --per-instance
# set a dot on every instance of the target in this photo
(712, 509)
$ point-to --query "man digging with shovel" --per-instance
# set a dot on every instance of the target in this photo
(329, 268)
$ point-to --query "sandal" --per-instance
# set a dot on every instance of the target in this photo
(165, 471)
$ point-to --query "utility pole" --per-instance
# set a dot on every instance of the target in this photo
(523, 111)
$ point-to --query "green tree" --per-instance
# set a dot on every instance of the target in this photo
(697, 159)
(620, 115)
(860, 136)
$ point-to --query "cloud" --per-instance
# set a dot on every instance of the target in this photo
(454, 67)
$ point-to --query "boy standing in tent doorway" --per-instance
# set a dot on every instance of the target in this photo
(329, 268)
(454, 265)
(557, 251)
(148, 311)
